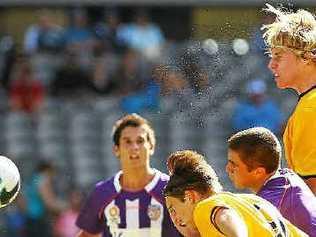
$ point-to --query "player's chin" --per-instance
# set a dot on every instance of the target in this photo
(280, 84)
(236, 184)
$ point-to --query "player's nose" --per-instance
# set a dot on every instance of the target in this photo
(272, 65)
(135, 146)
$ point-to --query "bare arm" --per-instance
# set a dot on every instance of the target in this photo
(83, 233)
(230, 223)
(49, 197)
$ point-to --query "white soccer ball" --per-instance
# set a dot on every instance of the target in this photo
(10, 181)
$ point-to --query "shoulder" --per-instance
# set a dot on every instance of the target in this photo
(105, 189)
(308, 101)
(211, 202)
(157, 185)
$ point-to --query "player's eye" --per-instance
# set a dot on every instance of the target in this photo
(232, 164)
(140, 141)
(172, 211)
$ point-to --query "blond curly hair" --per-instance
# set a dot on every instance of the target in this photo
(295, 31)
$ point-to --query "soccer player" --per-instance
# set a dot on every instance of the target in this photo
(130, 203)
(254, 163)
(291, 39)
(198, 206)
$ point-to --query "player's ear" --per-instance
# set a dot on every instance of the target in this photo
(152, 149)
(260, 171)
(191, 196)
(115, 150)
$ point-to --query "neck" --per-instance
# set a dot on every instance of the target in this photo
(259, 184)
(306, 82)
(135, 180)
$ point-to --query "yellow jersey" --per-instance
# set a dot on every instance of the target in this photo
(299, 136)
(260, 216)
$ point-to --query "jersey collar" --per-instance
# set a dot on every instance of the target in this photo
(150, 186)
(305, 92)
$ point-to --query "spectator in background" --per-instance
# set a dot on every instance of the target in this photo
(131, 75)
(26, 93)
(104, 68)
(144, 100)
(257, 110)
(71, 79)
(65, 224)
(171, 80)
(143, 35)
(175, 91)
(8, 51)
(79, 37)
(45, 36)
(133, 83)
(15, 218)
(106, 33)
(42, 203)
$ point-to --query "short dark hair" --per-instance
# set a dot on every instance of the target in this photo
(257, 147)
(189, 171)
(132, 120)
(45, 165)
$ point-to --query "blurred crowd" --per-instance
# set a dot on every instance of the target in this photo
(108, 58)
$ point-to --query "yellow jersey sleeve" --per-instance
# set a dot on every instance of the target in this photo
(203, 218)
(300, 135)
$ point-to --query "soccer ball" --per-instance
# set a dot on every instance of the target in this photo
(10, 181)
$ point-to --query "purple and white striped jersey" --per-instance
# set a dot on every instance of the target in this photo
(289, 193)
(118, 213)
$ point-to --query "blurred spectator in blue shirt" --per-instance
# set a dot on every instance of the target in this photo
(42, 202)
(143, 35)
(79, 38)
(15, 218)
(78, 33)
(106, 34)
(45, 36)
(257, 110)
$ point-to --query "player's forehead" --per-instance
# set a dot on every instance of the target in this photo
(134, 132)
(234, 156)
(284, 52)
(277, 51)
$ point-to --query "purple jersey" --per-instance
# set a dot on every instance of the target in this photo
(119, 213)
(289, 193)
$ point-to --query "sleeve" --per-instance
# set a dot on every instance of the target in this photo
(203, 217)
(89, 218)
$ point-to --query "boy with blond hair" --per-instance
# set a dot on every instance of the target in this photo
(291, 40)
